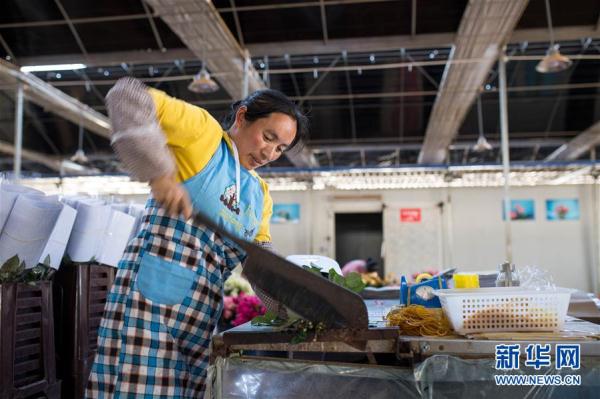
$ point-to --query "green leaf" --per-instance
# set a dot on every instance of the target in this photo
(312, 268)
(11, 270)
(47, 260)
(10, 265)
(354, 282)
(299, 337)
(66, 259)
(337, 278)
(268, 319)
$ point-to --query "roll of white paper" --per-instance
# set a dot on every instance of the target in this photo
(8, 196)
(90, 224)
(28, 227)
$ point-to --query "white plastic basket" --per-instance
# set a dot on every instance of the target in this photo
(505, 309)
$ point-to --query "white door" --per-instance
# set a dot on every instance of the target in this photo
(412, 238)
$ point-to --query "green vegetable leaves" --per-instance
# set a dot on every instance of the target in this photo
(268, 319)
(312, 268)
(352, 281)
(303, 328)
(13, 271)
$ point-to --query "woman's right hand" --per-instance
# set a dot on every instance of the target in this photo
(172, 196)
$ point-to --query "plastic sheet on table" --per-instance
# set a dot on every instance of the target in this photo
(449, 377)
(440, 376)
(248, 378)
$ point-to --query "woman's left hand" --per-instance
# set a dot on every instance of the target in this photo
(172, 196)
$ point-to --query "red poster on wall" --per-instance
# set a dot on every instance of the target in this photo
(410, 215)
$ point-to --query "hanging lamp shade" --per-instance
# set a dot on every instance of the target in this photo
(554, 61)
(203, 83)
(482, 145)
(79, 156)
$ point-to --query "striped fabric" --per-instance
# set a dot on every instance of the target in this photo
(153, 348)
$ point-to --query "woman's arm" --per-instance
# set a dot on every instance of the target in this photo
(139, 142)
(136, 135)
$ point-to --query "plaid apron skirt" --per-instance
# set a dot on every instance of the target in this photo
(161, 311)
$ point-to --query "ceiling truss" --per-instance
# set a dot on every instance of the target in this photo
(484, 28)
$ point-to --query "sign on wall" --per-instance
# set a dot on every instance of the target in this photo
(562, 209)
(522, 209)
(410, 215)
(285, 213)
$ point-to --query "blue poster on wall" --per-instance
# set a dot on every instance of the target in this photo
(562, 209)
(521, 209)
(286, 213)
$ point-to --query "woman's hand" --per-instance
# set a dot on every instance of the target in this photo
(172, 196)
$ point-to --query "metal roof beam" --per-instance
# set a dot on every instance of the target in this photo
(54, 100)
(324, 22)
(413, 18)
(157, 37)
(238, 26)
(303, 47)
(580, 144)
(383, 147)
(50, 162)
(484, 28)
(6, 48)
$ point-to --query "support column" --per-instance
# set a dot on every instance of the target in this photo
(505, 155)
(18, 131)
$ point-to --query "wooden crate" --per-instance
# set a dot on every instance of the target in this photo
(80, 293)
(27, 357)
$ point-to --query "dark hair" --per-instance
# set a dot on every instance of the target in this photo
(262, 103)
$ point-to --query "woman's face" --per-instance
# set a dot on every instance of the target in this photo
(263, 140)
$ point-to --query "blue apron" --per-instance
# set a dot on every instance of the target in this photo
(166, 300)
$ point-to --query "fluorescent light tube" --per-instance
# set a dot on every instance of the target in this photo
(57, 67)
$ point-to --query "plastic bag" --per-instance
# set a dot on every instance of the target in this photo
(533, 277)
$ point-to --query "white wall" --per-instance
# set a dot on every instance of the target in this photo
(473, 236)
(561, 247)
(473, 230)
(294, 238)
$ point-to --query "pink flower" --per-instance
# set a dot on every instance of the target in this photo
(228, 302)
(229, 307)
(249, 306)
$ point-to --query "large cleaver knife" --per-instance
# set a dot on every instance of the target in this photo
(311, 296)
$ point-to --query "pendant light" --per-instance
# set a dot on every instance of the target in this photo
(482, 144)
(79, 155)
(202, 82)
(554, 61)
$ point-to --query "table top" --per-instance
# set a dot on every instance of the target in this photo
(383, 339)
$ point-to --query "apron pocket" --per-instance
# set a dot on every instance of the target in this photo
(163, 282)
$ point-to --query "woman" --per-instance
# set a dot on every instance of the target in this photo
(166, 299)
